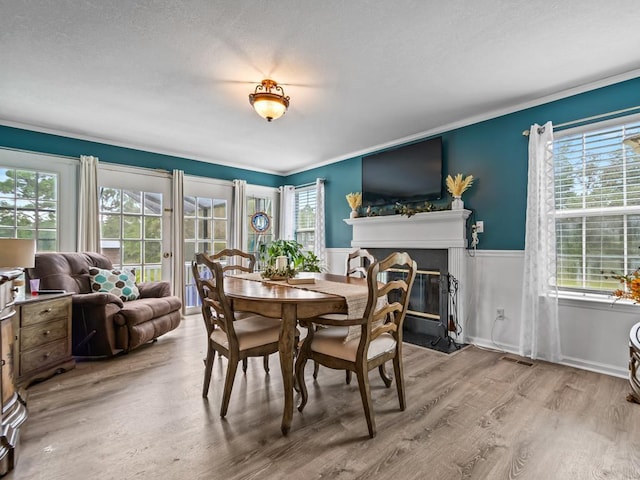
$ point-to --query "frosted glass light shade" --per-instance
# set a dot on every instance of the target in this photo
(269, 100)
(270, 109)
(17, 253)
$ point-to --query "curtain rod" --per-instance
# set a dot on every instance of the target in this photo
(588, 119)
(308, 184)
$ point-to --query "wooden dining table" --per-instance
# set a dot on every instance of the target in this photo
(290, 303)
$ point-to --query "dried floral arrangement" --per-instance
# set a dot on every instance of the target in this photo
(631, 282)
(458, 185)
(354, 199)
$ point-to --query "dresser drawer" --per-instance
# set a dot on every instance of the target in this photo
(37, 312)
(42, 356)
(42, 333)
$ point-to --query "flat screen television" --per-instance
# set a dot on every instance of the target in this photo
(410, 173)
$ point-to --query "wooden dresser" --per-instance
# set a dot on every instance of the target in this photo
(43, 337)
(14, 411)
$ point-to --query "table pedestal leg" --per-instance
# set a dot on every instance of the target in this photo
(286, 341)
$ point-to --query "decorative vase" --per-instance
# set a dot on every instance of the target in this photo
(457, 203)
(354, 213)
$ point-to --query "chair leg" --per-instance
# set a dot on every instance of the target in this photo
(348, 377)
(244, 365)
(383, 374)
(316, 369)
(208, 367)
(365, 393)
(265, 361)
(232, 367)
(398, 372)
(301, 361)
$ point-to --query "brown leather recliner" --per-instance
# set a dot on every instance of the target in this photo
(104, 325)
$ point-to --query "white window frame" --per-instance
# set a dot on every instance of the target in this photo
(572, 294)
(67, 170)
(311, 229)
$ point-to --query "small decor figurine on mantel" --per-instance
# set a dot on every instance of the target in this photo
(354, 200)
(456, 187)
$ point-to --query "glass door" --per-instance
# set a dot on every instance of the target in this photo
(135, 219)
(206, 226)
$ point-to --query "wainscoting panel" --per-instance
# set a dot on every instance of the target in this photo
(594, 335)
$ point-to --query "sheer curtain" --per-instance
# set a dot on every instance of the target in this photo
(177, 236)
(319, 246)
(287, 212)
(88, 209)
(539, 331)
(239, 212)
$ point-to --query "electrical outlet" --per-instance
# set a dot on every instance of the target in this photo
(500, 314)
(479, 226)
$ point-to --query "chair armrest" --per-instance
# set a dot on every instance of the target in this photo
(154, 289)
(95, 299)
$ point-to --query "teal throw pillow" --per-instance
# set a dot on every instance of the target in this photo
(121, 283)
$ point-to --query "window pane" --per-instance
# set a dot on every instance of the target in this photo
(189, 207)
(25, 184)
(7, 182)
(152, 203)
(131, 252)
(220, 208)
(132, 227)
(110, 200)
(47, 187)
(131, 202)
(189, 227)
(205, 207)
(153, 227)
(220, 230)
(152, 252)
(597, 192)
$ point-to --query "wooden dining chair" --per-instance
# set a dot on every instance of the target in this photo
(235, 260)
(358, 262)
(235, 339)
(380, 337)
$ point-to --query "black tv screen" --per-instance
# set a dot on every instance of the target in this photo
(411, 173)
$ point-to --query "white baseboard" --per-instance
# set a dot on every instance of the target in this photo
(596, 367)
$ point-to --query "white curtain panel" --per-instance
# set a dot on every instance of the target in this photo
(239, 212)
(539, 331)
(177, 236)
(287, 212)
(88, 209)
(319, 247)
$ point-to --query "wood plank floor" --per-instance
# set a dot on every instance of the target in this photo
(470, 415)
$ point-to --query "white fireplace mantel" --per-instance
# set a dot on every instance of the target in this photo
(446, 229)
(442, 229)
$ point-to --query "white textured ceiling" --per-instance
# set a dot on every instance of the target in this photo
(174, 76)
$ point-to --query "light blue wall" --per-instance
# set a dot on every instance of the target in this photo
(494, 151)
(71, 147)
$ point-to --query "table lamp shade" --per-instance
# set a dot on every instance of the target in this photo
(17, 253)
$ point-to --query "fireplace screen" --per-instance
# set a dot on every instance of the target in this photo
(424, 300)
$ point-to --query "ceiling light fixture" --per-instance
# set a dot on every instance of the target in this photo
(268, 100)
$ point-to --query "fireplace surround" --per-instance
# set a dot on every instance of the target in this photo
(436, 240)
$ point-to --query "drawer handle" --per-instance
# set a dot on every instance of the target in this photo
(47, 310)
(46, 355)
(46, 333)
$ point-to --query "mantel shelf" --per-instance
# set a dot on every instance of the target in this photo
(441, 229)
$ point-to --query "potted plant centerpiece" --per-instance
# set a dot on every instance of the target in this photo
(282, 259)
